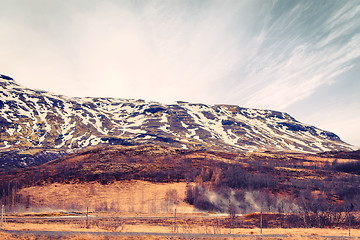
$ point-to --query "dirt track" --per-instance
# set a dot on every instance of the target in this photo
(182, 235)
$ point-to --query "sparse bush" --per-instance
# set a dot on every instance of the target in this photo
(349, 167)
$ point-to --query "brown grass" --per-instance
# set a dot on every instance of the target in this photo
(196, 226)
(124, 196)
(6, 236)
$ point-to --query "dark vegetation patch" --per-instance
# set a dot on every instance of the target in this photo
(348, 167)
(293, 126)
(154, 110)
(341, 154)
(233, 123)
(118, 141)
(14, 159)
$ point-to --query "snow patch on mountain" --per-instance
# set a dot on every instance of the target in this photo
(38, 118)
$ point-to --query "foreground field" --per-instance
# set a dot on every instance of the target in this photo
(274, 234)
(105, 225)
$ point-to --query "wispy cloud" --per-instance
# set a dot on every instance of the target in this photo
(158, 50)
(293, 61)
(259, 54)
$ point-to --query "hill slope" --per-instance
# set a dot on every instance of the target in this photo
(33, 118)
(282, 181)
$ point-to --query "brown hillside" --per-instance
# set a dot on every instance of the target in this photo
(107, 164)
(220, 181)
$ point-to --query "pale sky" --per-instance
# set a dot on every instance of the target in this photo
(299, 57)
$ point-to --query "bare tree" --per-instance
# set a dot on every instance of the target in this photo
(232, 210)
(171, 196)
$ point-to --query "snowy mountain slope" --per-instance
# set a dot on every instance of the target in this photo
(33, 118)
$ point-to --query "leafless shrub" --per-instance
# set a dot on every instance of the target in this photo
(114, 224)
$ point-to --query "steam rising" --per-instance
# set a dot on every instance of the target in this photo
(248, 201)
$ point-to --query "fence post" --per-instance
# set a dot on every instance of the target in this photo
(349, 222)
(87, 217)
(2, 215)
(175, 228)
(261, 222)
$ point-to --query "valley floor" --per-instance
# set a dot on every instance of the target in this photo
(139, 210)
(112, 226)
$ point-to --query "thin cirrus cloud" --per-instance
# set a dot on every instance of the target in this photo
(301, 58)
(263, 54)
(199, 48)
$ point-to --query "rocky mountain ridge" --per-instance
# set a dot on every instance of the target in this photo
(34, 118)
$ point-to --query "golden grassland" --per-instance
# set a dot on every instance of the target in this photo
(203, 228)
(121, 196)
(296, 233)
(6, 236)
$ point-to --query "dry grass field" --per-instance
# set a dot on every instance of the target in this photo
(186, 223)
(198, 227)
(290, 234)
(120, 196)
(6, 236)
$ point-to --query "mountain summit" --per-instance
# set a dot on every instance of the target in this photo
(33, 118)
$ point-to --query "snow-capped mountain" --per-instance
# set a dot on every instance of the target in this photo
(33, 118)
